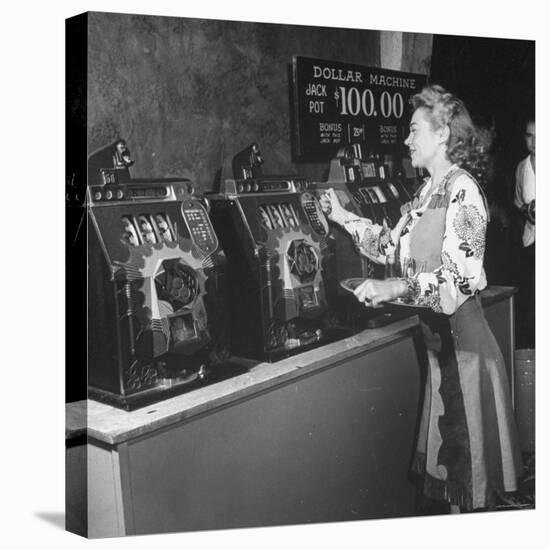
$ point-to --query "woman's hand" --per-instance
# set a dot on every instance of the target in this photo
(329, 202)
(373, 292)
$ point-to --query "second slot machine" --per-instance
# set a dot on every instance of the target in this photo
(274, 234)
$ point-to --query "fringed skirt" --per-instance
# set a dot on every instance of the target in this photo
(467, 446)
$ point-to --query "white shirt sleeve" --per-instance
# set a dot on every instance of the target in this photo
(525, 193)
(519, 185)
(372, 240)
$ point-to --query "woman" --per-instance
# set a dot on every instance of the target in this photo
(467, 447)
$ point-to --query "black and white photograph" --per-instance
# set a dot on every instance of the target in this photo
(295, 299)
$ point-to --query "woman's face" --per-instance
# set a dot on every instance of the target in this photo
(423, 142)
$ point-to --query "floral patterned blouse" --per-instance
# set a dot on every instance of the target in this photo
(460, 273)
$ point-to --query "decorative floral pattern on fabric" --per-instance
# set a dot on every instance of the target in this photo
(461, 282)
(370, 243)
(385, 240)
(470, 227)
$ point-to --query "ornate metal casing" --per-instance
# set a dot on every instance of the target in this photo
(274, 234)
(155, 291)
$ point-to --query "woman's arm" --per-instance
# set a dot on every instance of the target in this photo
(461, 273)
(372, 240)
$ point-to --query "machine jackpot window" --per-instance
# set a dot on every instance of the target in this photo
(274, 234)
(156, 292)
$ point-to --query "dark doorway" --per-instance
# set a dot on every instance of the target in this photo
(496, 80)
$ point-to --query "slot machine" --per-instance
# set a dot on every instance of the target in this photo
(346, 260)
(377, 187)
(155, 288)
(372, 189)
(274, 234)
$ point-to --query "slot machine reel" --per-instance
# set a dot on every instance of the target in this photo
(129, 232)
(264, 217)
(147, 230)
(165, 232)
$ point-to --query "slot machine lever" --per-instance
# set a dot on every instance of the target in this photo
(206, 203)
(110, 164)
(247, 163)
(255, 157)
(121, 157)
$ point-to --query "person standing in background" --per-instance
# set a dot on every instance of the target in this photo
(525, 201)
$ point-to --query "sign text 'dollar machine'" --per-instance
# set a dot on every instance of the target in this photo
(155, 286)
(274, 234)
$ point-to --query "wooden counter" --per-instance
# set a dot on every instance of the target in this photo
(112, 425)
(326, 435)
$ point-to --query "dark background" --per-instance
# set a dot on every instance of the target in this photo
(496, 80)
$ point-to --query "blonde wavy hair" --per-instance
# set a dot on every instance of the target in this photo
(468, 145)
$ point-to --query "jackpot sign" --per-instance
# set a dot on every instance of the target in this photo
(339, 103)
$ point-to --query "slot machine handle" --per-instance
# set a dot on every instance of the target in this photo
(255, 155)
(247, 163)
(206, 203)
(122, 155)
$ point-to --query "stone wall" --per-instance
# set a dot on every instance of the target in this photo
(187, 94)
